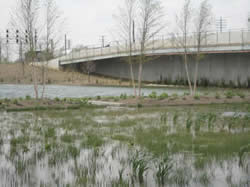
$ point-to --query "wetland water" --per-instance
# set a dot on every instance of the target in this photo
(52, 91)
(171, 146)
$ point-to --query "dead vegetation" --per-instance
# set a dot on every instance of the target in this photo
(12, 74)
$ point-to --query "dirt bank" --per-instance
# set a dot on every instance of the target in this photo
(13, 74)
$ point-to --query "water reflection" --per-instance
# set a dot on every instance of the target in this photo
(52, 91)
(153, 147)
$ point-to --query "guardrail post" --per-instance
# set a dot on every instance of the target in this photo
(153, 44)
(242, 38)
(229, 39)
(206, 38)
(118, 51)
(217, 37)
(163, 41)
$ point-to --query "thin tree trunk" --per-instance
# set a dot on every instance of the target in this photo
(35, 80)
(23, 68)
(44, 76)
(187, 72)
(140, 77)
(132, 78)
(196, 73)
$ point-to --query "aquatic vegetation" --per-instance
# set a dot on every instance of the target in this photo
(189, 122)
(77, 151)
(244, 150)
(93, 140)
(164, 118)
(164, 169)
(139, 162)
(200, 120)
(50, 132)
(67, 138)
(175, 118)
(211, 120)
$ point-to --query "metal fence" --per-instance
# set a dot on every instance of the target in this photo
(170, 42)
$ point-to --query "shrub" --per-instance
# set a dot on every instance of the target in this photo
(217, 96)
(197, 97)
(174, 96)
(139, 105)
(57, 99)
(163, 96)
(116, 99)
(241, 95)
(15, 101)
(49, 81)
(98, 97)
(123, 96)
(229, 94)
(28, 97)
(153, 95)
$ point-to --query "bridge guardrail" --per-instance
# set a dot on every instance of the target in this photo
(239, 38)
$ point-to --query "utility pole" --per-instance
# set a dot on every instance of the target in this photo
(103, 40)
(221, 24)
(133, 31)
(7, 45)
(65, 44)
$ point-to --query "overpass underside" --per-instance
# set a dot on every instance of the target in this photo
(215, 69)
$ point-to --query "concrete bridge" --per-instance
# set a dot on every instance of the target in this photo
(226, 60)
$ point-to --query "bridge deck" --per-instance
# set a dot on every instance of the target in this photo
(227, 42)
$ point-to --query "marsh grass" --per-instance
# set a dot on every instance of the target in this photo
(93, 140)
(189, 122)
(163, 169)
(139, 162)
(164, 118)
(33, 138)
(67, 138)
(244, 150)
(175, 118)
(211, 120)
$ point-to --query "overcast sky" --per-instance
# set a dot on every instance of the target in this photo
(87, 20)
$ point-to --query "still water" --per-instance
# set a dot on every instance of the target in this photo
(192, 146)
(52, 91)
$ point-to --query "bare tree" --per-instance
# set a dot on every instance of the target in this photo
(150, 20)
(181, 40)
(88, 67)
(125, 20)
(52, 21)
(202, 23)
(24, 19)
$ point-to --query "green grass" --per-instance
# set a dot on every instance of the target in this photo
(93, 140)
(208, 143)
(122, 138)
(67, 138)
